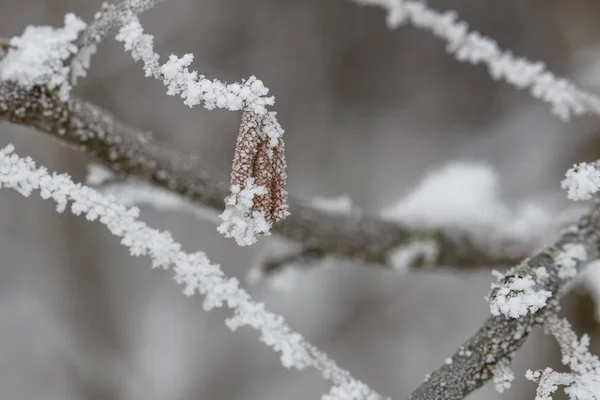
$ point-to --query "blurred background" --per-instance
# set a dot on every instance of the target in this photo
(367, 112)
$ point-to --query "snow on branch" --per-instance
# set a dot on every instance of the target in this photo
(194, 271)
(524, 289)
(583, 382)
(38, 56)
(469, 46)
(195, 88)
(471, 204)
(582, 181)
(518, 296)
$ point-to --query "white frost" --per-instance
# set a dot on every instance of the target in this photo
(38, 56)
(193, 87)
(582, 181)
(583, 381)
(239, 220)
(518, 297)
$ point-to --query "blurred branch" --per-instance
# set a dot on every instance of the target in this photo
(96, 132)
(109, 17)
(501, 336)
(302, 258)
(564, 96)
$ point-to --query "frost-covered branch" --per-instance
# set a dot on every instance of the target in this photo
(519, 303)
(583, 382)
(90, 129)
(194, 271)
(473, 47)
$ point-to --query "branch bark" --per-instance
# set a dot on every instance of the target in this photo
(473, 363)
(96, 132)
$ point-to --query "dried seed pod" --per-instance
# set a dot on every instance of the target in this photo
(257, 196)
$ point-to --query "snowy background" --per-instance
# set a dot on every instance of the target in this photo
(367, 112)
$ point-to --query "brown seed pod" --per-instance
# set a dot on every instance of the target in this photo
(259, 154)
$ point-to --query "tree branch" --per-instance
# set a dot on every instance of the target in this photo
(500, 336)
(94, 131)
